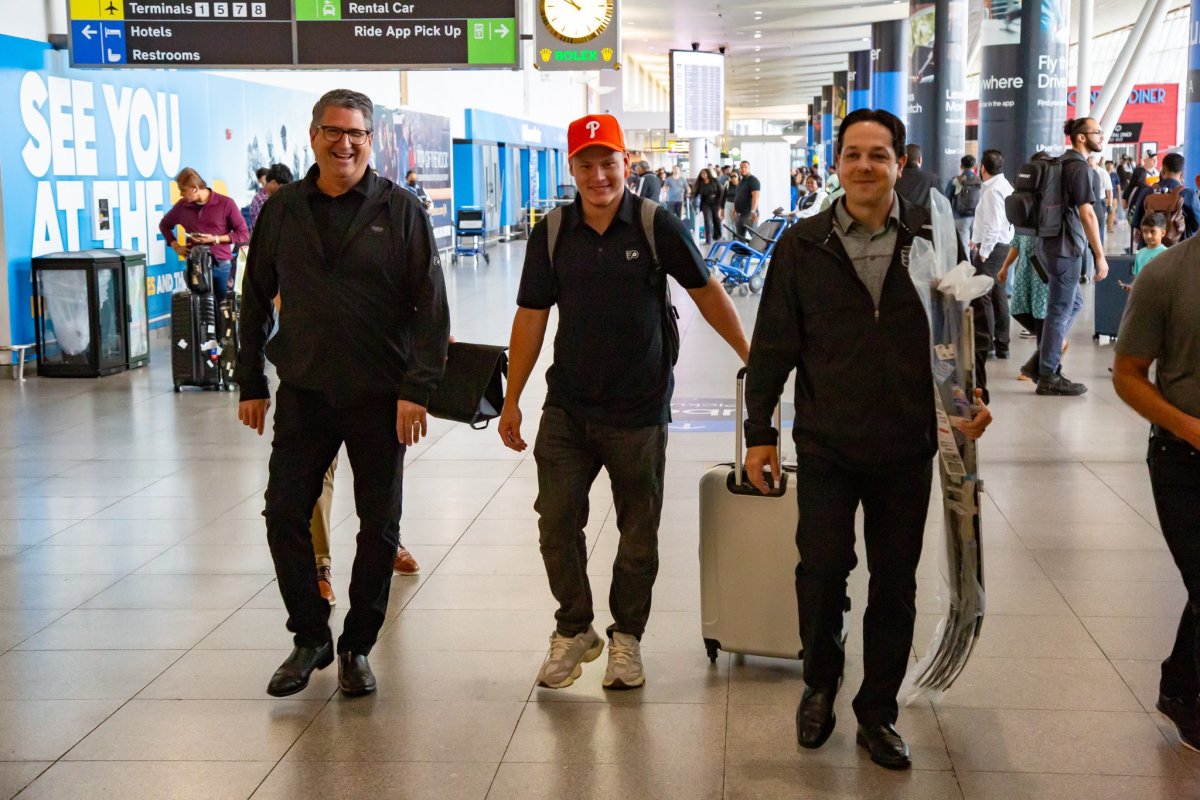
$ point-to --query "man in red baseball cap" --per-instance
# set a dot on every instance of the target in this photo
(603, 260)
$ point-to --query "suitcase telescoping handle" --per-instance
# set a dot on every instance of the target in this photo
(739, 463)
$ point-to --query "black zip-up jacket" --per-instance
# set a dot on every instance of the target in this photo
(369, 319)
(864, 385)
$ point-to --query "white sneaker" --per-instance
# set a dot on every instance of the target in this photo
(567, 656)
(624, 663)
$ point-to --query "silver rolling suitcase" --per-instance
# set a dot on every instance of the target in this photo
(748, 558)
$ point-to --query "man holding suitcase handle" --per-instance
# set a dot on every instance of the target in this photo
(608, 390)
(840, 308)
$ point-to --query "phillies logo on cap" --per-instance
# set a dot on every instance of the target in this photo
(595, 129)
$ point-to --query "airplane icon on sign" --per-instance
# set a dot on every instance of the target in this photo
(111, 9)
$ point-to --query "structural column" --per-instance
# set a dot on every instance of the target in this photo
(889, 66)
(1023, 82)
(859, 78)
(937, 107)
(1191, 120)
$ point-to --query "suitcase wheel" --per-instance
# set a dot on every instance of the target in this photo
(712, 646)
(177, 389)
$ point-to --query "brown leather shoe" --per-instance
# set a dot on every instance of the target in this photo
(325, 584)
(405, 563)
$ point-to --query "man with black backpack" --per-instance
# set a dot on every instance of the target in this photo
(964, 191)
(1052, 200)
(604, 261)
(1173, 200)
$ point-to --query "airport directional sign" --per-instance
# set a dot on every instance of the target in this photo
(273, 34)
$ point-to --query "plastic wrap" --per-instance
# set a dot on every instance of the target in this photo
(946, 289)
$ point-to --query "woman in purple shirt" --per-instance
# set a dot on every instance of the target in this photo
(208, 218)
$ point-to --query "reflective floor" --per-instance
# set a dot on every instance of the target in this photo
(139, 618)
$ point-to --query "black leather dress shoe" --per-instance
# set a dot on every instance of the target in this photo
(293, 674)
(354, 674)
(814, 718)
(884, 744)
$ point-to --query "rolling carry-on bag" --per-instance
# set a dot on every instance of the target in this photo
(1111, 296)
(227, 338)
(195, 359)
(748, 557)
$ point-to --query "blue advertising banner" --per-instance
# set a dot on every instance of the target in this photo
(91, 160)
(860, 80)
(1191, 120)
(889, 63)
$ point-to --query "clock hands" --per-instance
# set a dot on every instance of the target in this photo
(577, 6)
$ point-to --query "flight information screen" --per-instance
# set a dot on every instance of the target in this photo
(697, 93)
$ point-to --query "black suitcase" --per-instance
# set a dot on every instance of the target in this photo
(194, 350)
(1111, 297)
(227, 338)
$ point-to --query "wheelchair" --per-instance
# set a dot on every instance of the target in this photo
(470, 234)
(742, 265)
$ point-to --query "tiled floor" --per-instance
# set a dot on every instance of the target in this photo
(139, 620)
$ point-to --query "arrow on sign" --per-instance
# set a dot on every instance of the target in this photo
(503, 30)
(88, 32)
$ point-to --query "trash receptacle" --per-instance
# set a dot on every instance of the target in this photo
(80, 314)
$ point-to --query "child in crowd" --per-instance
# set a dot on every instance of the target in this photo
(1153, 228)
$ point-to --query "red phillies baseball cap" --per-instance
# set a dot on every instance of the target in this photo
(595, 129)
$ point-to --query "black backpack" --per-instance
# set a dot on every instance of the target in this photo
(199, 269)
(1035, 207)
(968, 188)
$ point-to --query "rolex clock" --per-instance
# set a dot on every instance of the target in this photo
(576, 21)
(578, 35)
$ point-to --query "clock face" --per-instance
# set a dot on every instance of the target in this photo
(576, 21)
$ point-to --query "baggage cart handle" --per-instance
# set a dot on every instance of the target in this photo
(739, 462)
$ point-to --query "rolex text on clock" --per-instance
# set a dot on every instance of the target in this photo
(576, 21)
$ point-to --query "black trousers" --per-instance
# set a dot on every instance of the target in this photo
(995, 303)
(712, 222)
(308, 433)
(1175, 478)
(895, 500)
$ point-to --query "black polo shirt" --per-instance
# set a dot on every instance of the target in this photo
(609, 363)
(743, 202)
(333, 215)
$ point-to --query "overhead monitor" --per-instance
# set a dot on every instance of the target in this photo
(697, 94)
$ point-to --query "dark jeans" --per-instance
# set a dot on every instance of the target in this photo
(744, 223)
(220, 280)
(569, 454)
(895, 499)
(1064, 304)
(712, 223)
(1175, 478)
(995, 303)
(308, 433)
(676, 207)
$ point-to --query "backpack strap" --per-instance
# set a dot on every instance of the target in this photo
(647, 210)
(553, 226)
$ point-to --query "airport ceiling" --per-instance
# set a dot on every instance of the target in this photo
(780, 52)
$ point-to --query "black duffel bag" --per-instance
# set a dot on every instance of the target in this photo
(472, 390)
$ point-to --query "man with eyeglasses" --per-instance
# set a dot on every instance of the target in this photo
(361, 345)
(1062, 256)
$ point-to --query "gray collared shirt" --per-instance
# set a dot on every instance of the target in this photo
(869, 252)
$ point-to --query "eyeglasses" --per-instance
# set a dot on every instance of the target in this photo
(332, 133)
(1093, 133)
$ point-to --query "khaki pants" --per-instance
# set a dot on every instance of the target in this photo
(320, 518)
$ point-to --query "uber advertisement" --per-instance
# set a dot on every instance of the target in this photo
(937, 103)
(91, 157)
(1023, 80)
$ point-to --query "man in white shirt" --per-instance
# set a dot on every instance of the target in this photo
(990, 237)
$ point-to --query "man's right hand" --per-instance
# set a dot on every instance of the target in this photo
(253, 414)
(180, 250)
(758, 457)
(1101, 268)
(510, 427)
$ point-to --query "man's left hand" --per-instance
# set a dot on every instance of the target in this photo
(982, 417)
(411, 422)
